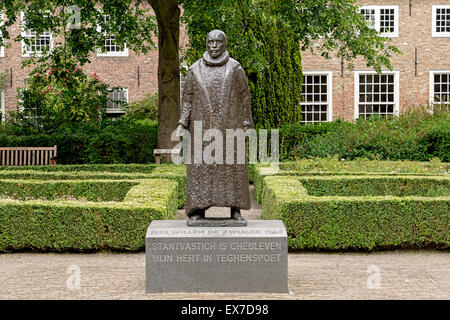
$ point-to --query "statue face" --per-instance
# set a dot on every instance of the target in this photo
(216, 44)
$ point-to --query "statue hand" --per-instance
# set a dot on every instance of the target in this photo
(179, 131)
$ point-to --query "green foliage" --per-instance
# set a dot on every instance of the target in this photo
(85, 225)
(355, 223)
(119, 141)
(391, 177)
(99, 172)
(333, 28)
(266, 49)
(362, 165)
(276, 90)
(146, 108)
(416, 135)
(397, 186)
(59, 94)
(82, 169)
(90, 190)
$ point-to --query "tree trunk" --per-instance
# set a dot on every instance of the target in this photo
(168, 17)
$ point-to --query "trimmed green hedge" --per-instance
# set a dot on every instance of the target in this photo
(85, 225)
(355, 223)
(368, 185)
(361, 167)
(323, 165)
(90, 190)
(119, 168)
(357, 186)
(91, 172)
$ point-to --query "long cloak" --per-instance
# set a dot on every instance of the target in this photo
(216, 93)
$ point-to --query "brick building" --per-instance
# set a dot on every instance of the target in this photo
(137, 74)
(421, 76)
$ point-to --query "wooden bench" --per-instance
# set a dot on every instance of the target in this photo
(27, 156)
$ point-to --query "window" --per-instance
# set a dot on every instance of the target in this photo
(376, 94)
(2, 48)
(316, 96)
(440, 87)
(2, 104)
(112, 49)
(37, 43)
(117, 99)
(383, 18)
(32, 112)
(441, 21)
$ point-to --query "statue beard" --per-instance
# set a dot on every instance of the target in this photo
(219, 61)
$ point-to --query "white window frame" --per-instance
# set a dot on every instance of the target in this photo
(396, 90)
(2, 48)
(434, 33)
(123, 53)
(118, 111)
(432, 93)
(23, 31)
(329, 75)
(2, 104)
(377, 25)
(21, 108)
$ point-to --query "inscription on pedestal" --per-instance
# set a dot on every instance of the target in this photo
(187, 259)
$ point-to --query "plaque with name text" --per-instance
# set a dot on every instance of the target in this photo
(200, 259)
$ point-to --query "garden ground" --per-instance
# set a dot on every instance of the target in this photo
(381, 275)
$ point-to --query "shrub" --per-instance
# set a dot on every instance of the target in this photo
(120, 141)
(90, 190)
(97, 172)
(294, 135)
(437, 139)
(348, 169)
(355, 223)
(84, 225)
(146, 108)
(397, 186)
(415, 135)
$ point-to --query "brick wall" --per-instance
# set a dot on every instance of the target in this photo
(137, 72)
(415, 32)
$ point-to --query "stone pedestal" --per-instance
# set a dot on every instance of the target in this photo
(216, 259)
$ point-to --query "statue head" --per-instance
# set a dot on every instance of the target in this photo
(216, 43)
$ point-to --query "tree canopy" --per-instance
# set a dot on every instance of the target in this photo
(326, 27)
(79, 25)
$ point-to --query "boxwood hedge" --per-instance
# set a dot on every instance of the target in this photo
(113, 172)
(90, 190)
(361, 167)
(355, 223)
(367, 185)
(86, 225)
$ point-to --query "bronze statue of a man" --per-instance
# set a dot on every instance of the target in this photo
(216, 95)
